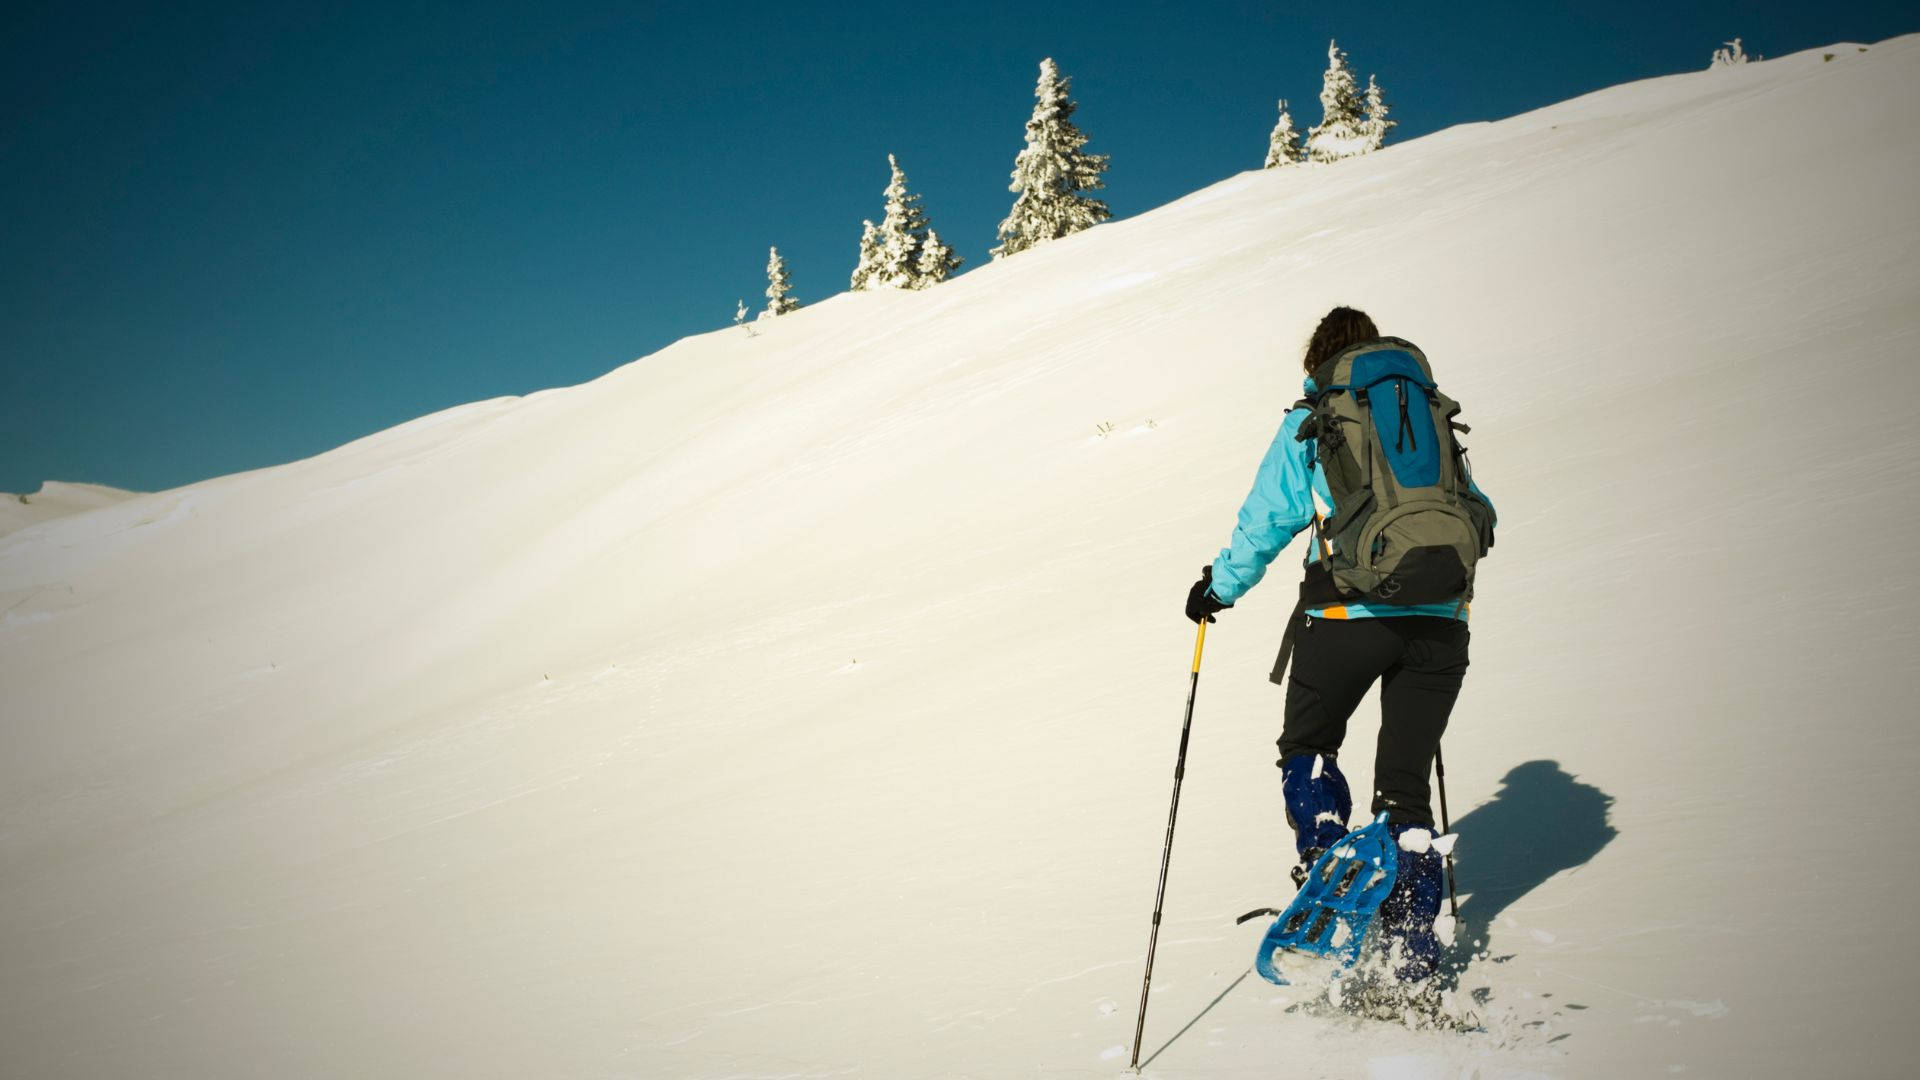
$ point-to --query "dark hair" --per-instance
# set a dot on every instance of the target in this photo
(1339, 328)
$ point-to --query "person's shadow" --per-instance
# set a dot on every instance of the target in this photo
(1540, 822)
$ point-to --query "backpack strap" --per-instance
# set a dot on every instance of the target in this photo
(1279, 674)
(1326, 559)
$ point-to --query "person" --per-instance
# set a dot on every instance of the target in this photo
(1342, 643)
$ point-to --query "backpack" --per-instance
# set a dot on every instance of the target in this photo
(1408, 528)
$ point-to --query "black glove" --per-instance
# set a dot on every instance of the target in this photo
(1201, 603)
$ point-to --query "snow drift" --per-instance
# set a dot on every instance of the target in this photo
(54, 499)
(804, 705)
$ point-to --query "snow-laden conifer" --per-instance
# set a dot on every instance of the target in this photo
(1050, 174)
(1731, 55)
(779, 286)
(902, 231)
(1376, 124)
(1340, 132)
(1283, 146)
(937, 261)
(863, 271)
(895, 253)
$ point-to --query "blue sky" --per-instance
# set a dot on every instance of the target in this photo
(237, 235)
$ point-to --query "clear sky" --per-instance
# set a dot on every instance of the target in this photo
(237, 235)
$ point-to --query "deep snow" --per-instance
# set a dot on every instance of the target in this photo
(804, 704)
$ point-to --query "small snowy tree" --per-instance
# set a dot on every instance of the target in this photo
(779, 286)
(863, 271)
(1340, 132)
(1051, 172)
(894, 254)
(936, 262)
(1729, 56)
(902, 231)
(740, 317)
(1283, 146)
(1376, 124)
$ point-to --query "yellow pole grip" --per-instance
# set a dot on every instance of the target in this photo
(1199, 643)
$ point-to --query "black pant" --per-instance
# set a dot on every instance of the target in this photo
(1420, 661)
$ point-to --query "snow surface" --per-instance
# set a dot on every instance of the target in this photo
(53, 500)
(804, 705)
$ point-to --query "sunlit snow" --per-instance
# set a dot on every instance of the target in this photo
(518, 741)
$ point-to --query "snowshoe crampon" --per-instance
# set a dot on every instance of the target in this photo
(1330, 915)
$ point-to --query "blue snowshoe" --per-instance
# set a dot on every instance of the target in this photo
(1332, 912)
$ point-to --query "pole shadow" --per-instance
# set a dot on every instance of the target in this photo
(1196, 1018)
(1540, 822)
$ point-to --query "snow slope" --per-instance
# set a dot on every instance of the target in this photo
(804, 705)
(54, 499)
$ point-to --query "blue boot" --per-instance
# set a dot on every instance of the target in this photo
(1407, 914)
(1318, 806)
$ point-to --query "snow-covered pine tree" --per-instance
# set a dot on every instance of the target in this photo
(1729, 56)
(779, 286)
(863, 271)
(1283, 146)
(902, 231)
(894, 254)
(1339, 133)
(1376, 124)
(1051, 172)
(937, 261)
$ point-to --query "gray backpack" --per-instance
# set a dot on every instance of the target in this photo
(1408, 527)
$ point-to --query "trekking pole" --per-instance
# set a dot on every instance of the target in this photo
(1440, 766)
(1166, 854)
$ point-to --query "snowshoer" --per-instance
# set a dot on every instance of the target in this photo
(1388, 579)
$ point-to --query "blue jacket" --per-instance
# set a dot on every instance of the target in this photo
(1280, 505)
